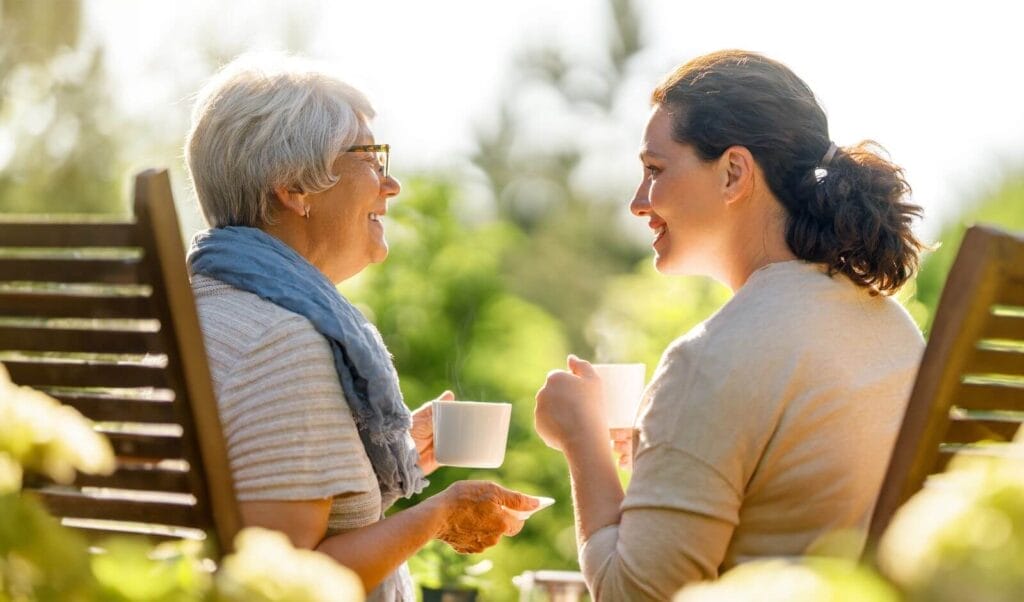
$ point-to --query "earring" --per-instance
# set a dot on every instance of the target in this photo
(305, 212)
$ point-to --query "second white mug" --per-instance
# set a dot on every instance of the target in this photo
(623, 388)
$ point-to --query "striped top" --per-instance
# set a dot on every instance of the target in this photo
(289, 432)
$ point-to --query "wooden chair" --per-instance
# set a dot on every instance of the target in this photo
(101, 316)
(969, 393)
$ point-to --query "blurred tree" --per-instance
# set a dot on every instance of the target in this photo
(58, 150)
(642, 312)
(572, 243)
(1003, 208)
(450, 321)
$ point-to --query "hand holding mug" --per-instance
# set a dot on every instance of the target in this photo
(422, 432)
(622, 447)
(570, 407)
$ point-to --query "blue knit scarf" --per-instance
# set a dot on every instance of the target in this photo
(254, 261)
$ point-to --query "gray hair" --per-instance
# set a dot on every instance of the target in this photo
(265, 121)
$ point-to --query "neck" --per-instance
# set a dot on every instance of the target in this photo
(756, 243)
(293, 233)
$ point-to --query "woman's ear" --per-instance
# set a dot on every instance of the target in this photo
(292, 200)
(738, 170)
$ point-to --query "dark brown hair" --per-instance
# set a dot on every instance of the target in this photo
(851, 215)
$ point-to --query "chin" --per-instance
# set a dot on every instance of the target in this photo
(670, 266)
(379, 254)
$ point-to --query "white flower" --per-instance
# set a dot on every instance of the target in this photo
(41, 434)
(266, 567)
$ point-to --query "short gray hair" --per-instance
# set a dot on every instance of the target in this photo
(265, 121)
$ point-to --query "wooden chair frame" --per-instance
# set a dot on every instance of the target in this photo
(42, 351)
(969, 393)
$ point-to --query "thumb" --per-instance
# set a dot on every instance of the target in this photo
(514, 499)
(581, 367)
(446, 396)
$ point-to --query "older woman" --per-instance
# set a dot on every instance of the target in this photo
(771, 423)
(295, 188)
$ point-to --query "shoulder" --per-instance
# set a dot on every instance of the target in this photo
(248, 323)
(250, 340)
(794, 303)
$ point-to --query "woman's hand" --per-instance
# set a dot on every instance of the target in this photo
(477, 514)
(569, 407)
(622, 447)
(422, 432)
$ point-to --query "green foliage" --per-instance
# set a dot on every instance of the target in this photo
(1004, 208)
(806, 580)
(58, 148)
(962, 537)
(642, 312)
(267, 568)
(444, 309)
(130, 569)
(438, 566)
(40, 559)
(573, 243)
(40, 434)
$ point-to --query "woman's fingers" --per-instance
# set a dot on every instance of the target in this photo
(514, 527)
(479, 514)
(581, 367)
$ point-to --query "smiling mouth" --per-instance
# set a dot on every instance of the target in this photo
(374, 217)
(659, 232)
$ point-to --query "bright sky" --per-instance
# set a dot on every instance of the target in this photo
(938, 84)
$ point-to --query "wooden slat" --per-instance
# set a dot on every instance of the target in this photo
(64, 503)
(972, 431)
(153, 447)
(942, 461)
(97, 537)
(99, 234)
(132, 475)
(79, 340)
(977, 396)
(1011, 293)
(138, 477)
(1004, 327)
(105, 271)
(102, 408)
(985, 450)
(66, 374)
(53, 305)
(991, 361)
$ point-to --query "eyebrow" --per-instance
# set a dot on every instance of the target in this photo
(649, 154)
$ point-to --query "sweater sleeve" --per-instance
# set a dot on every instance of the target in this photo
(665, 538)
(289, 432)
(683, 502)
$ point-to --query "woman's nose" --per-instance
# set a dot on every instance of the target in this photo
(640, 205)
(390, 186)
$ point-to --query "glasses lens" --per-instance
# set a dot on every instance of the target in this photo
(382, 158)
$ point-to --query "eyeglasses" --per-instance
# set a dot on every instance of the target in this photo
(383, 152)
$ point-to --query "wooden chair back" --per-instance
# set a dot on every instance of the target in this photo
(100, 315)
(969, 393)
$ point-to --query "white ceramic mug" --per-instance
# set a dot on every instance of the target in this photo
(471, 433)
(623, 387)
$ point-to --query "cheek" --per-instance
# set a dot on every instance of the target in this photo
(667, 197)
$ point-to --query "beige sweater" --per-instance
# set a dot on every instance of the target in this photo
(764, 428)
(290, 434)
